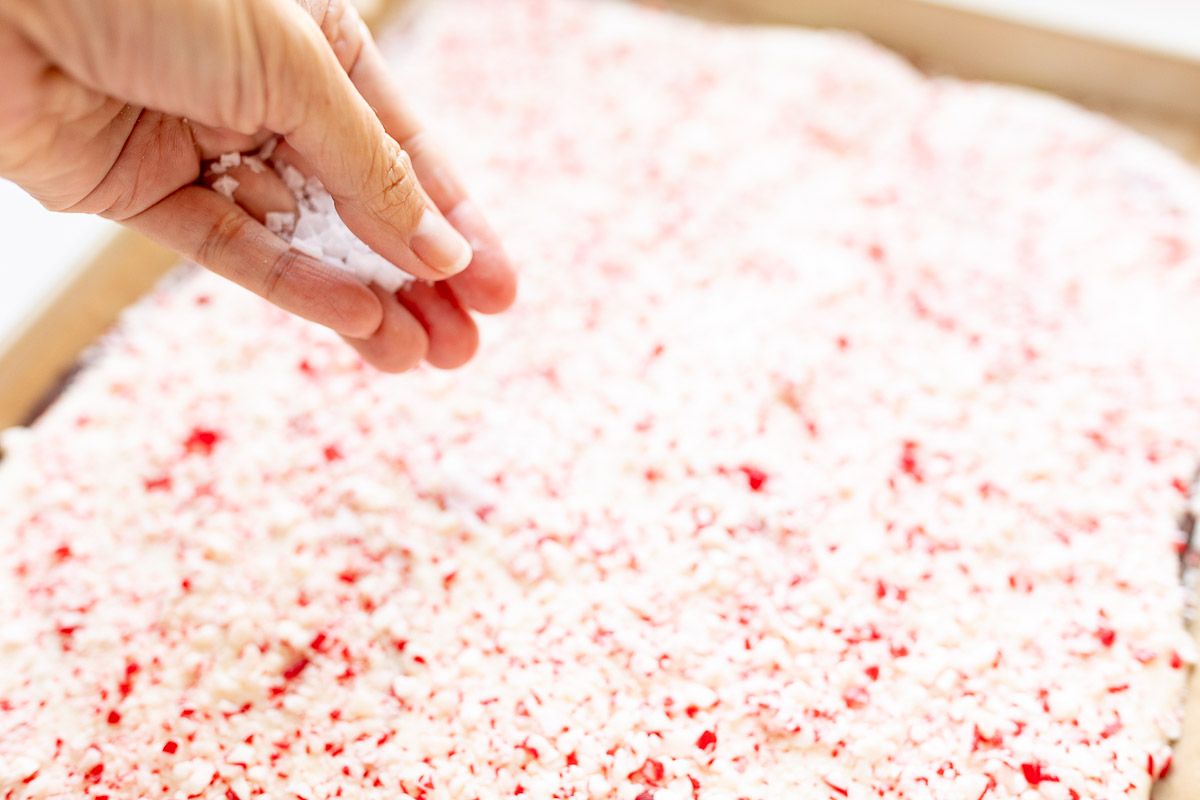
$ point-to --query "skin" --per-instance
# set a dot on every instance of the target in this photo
(115, 107)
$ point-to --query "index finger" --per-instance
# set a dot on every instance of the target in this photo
(489, 283)
(318, 110)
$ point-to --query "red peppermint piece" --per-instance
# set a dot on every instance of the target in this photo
(1035, 773)
(756, 479)
(908, 462)
(201, 441)
(651, 772)
(842, 790)
(856, 697)
(981, 741)
(293, 672)
(162, 484)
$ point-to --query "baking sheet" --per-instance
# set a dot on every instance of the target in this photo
(1152, 92)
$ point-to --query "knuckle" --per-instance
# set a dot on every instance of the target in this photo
(398, 191)
(340, 24)
(284, 263)
(327, 13)
(142, 173)
(401, 164)
(315, 8)
(222, 237)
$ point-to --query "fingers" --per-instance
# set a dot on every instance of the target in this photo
(453, 337)
(421, 321)
(209, 229)
(399, 343)
(318, 110)
(489, 285)
(439, 329)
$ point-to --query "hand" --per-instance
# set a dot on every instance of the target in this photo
(112, 107)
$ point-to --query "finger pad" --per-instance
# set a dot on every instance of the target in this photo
(488, 286)
(453, 337)
(400, 342)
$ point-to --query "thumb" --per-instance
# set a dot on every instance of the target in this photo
(313, 103)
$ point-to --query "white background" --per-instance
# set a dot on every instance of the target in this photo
(40, 248)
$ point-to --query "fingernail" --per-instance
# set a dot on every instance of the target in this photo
(439, 246)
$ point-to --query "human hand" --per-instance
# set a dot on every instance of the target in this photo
(113, 107)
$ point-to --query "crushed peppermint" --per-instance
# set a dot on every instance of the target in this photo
(315, 229)
(318, 231)
(226, 185)
(831, 454)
